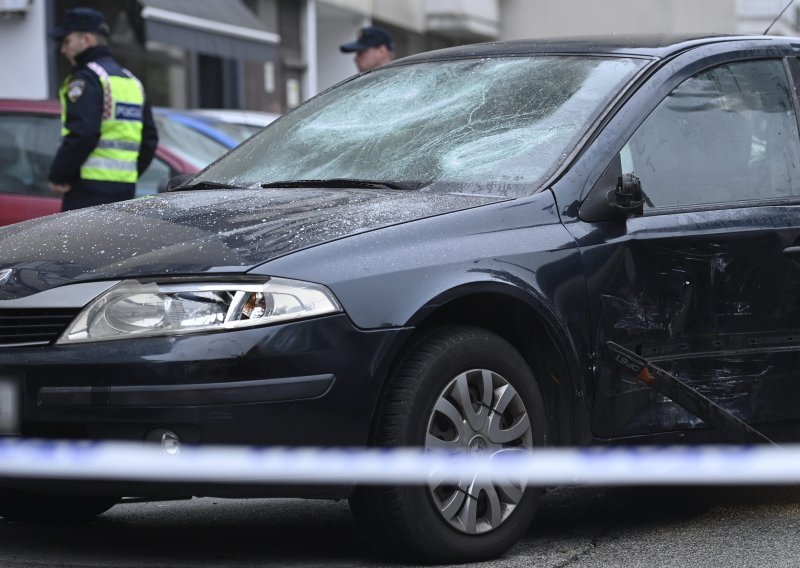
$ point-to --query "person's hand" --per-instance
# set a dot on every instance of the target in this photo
(60, 188)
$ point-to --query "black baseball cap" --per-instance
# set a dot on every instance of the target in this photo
(371, 36)
(80, 20)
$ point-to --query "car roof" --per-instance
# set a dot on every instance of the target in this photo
(653, 46)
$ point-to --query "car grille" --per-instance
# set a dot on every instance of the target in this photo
(30, 326)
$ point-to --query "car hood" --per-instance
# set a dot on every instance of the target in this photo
(196, 232)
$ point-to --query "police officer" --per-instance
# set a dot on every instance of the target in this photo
(108, 134)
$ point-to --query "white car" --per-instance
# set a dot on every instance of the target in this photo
(236, 123)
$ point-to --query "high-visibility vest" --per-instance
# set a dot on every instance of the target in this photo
(117, 152)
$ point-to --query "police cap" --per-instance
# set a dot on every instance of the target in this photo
(80, 20)
(371, 36)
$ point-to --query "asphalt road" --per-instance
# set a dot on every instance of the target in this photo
(576, 527)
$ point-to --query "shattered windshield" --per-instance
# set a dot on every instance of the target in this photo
(493, 125)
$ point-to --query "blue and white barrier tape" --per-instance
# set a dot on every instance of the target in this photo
(118, 461)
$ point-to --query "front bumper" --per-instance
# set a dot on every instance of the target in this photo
(312, 382)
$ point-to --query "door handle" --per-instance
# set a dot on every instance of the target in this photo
(792, 250)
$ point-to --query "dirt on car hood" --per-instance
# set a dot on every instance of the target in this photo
(196, 232)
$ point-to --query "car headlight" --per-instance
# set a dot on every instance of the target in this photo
(133, 309)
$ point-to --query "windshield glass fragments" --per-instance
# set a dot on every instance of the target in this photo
(503, 122)
(353, 183)
(204, 185)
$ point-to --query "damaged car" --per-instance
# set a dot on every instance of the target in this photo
(436, 253)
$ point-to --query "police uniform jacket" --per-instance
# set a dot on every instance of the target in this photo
(83, 114)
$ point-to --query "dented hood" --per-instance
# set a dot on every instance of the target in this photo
(195, 232)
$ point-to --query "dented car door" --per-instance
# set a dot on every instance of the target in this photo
(705, 282)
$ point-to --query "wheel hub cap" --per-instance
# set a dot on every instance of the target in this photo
(478, 412)
(477, 445)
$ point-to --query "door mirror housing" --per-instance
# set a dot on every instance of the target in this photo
(628, 196)
(615, 196)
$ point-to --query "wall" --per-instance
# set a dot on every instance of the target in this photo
(335, 26)
(363, 7)
(755, 16)
(409, 14)
(464, 20)
(24, 43)
(544, 18)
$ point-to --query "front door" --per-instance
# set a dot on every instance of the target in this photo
(706, 282)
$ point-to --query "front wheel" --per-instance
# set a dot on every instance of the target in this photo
(463, 390)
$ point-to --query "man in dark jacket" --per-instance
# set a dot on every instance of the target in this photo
(108, 133)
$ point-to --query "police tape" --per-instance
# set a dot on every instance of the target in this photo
(146, 462)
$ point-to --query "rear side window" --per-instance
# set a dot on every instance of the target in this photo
(27, 146)
(728, 134)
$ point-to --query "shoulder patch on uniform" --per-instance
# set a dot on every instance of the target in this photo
(75, 89)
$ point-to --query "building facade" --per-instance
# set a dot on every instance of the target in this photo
(544, 18)
(271, 55)
(255, 54)
(758, 16)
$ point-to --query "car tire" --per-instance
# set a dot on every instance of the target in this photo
(417, 522)
(27, 506)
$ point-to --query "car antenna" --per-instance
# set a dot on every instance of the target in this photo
(778, 17)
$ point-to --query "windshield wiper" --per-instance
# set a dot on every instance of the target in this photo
(205, 185)
(341, 182)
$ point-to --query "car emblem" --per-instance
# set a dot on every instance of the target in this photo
(5, 274)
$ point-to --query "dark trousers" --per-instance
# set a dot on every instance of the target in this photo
(80, 197)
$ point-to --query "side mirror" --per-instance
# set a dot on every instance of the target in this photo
(177, 181)
(615, 196)
(628, 195)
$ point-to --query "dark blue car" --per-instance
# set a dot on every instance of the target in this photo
(443, 253)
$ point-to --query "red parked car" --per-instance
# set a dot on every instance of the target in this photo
(30, 132)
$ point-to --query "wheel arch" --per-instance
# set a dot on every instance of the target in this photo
(530, 326)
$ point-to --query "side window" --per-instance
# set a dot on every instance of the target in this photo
(27, 146)
(725, 135)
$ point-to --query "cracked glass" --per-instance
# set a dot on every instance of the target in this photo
(489, 126)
